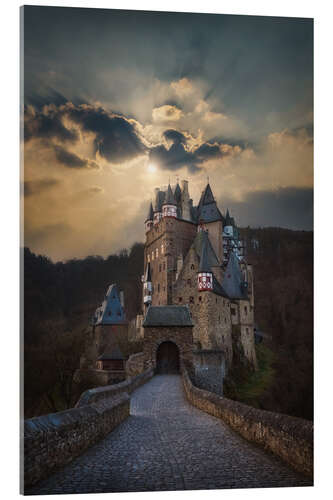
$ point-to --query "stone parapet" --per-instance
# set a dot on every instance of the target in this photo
(135, 364)
(51, 441)
(290, 438)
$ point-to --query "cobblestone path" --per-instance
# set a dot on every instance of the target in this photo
(167, 444)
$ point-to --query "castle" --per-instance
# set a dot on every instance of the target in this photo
(197, 298)
(194, 257)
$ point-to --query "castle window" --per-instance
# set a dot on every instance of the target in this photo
(160, 267)
(216, 300)
(192, 266)
(180, 299)
(200, 298)
(233, 311)
(191, 300)
(247, 330)
(158, 287)
(189, 282)
(245, 310)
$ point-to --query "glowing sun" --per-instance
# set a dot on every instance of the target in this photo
(151, 168)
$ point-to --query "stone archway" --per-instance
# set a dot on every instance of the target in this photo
(167, 358)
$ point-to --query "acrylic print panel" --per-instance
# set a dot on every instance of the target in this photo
(168, 213)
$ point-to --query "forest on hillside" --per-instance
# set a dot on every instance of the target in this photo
(60, 299)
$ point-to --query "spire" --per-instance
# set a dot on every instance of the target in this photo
(233, 282)
(204, 266)
(150, 215)
(207, 196)
(169, 199)
(228, 220)
(178, 193)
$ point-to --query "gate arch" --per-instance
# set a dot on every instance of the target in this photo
(167, 358)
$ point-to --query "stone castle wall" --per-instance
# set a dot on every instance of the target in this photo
(164, 243)
(154, 336)
(290, 438)
(210, 312)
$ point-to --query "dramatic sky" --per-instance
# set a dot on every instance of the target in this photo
(119, 102)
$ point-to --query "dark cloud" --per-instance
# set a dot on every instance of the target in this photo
(39, 186)
(290, 208)
(47, 125)
(175, 136)
(116, 138)
(71, 160)
(177, 156)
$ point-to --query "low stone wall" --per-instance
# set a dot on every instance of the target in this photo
(290, 438)
(94, 395)
(53, 440)
(135, 364)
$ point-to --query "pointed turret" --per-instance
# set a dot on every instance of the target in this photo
(178, 193)
(150, 218)
(205, 275)
(169, 207)
(233, 282)
(228, 225)
(207, 208)
(159, 198)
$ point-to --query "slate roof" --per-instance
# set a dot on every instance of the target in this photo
(200, 241)
(150, 215)
(233, 283)
(160, 196)
(207, 196)
(178, 193)
(169, 199)
(228, 219)
(110, 312)
(111, 352)
(168, 316)
(207, 210)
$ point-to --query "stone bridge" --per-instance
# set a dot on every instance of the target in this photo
(168, 444)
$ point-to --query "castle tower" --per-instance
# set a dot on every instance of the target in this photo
(210, 218)
(150, 219)
(169, 207)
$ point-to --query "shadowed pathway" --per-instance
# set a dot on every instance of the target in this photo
(167, 444)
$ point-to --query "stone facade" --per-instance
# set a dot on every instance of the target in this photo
(164, 242)
(154, 336)
(210, 312)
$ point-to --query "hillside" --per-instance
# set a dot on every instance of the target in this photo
(60, 299)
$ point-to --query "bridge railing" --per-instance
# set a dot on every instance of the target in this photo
(51, 441)
(290, 438)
